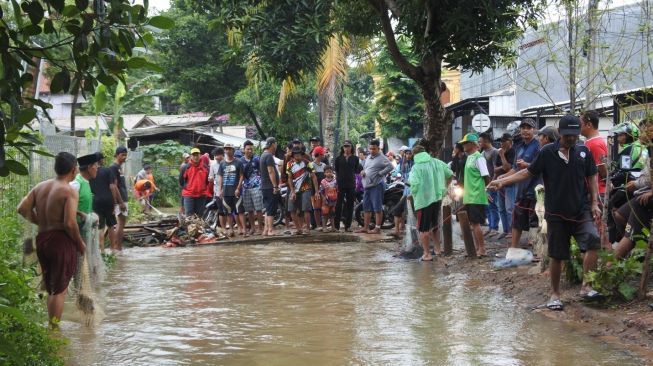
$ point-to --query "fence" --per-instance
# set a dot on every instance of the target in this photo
(40, 167)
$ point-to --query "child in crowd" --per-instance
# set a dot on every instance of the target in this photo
(329, 193)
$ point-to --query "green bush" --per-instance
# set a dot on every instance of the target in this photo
(574, 266)
(24, 337)
(616, 278)
(169, 191)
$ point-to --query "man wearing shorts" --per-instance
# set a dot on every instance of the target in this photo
(375, 169)
(301, 182)
(571, 202)
(119, 186)
(252, 197)
(474, 194)
(104, 199)
(52, 206)
(230, 182)
(429, 179)
(269, 184)
(523, 215)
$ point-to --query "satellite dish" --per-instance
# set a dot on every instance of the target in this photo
(481, 123)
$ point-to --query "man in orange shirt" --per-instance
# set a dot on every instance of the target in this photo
(143, 189)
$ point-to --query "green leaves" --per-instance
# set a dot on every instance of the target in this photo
(81, 4)
(161, 22)
(12, 166)
(60, 82)
(140, 62)
(34, 11)
(26, 115)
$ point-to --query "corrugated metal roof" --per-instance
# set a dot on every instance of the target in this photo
(222, 138)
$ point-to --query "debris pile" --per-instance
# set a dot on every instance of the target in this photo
(171, 232)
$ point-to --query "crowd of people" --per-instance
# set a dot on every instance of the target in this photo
(498, 180)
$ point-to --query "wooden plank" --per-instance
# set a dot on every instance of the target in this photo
(447, 231)
(466, 229)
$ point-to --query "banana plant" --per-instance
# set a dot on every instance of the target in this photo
(122, 98)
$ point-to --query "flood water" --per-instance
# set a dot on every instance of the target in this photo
(336, 304)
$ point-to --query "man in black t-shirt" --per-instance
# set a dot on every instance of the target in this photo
(230, 182)
(119, 186)
(568, 170)
(103, 201)
(506, 195)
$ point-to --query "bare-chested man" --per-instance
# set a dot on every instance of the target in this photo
(52, 205)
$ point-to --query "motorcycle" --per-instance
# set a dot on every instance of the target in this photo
(391, 197)
(211, 213)
(281, 206)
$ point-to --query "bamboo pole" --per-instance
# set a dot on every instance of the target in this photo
(447, 231)
(466, 229)
(646, 270)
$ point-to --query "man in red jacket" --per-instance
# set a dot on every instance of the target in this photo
(194, 181)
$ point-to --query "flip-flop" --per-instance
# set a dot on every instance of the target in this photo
(555, 305)
(593, 296)
(425, 260)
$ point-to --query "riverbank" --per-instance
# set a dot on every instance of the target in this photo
(627, 325)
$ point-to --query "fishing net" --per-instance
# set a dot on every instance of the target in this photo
(411, 247)
(90, 271)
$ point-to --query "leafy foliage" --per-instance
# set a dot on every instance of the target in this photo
(199, 67)
(86, 45)
(24, 339)
(167, 153)
(615, 277)
(399, 106)
(300, 118)
(165, 160)
(574, 266)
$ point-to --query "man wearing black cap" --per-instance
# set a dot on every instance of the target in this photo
(316, 142)
(104, 198)
(88, 167)
(119, 185)
(568, 170)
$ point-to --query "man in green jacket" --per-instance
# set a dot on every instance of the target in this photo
(428, 181)
(475, 199)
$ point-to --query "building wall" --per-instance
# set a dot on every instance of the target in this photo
(452, 79)
(61, 104)
(621, 43)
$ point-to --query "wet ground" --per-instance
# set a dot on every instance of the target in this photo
(314, 304)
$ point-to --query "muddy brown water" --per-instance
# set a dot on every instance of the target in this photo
(313, 304)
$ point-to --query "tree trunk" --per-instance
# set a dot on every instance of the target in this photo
(73, 109)
(256, 121)
(437, 120)
(328, 102)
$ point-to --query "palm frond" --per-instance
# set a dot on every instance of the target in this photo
(333, 67)
(287, 88)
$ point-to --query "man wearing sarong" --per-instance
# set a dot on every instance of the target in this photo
(52, 205)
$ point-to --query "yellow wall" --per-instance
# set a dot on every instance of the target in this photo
(452, 79)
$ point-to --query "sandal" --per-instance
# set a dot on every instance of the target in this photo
(555, 305)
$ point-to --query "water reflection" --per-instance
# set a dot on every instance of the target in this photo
(313, 305)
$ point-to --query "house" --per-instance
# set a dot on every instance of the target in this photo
(537, 86)
(203, 131)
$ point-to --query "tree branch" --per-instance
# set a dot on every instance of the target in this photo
(404, 65)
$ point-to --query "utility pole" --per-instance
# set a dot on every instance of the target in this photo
(590, 46)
